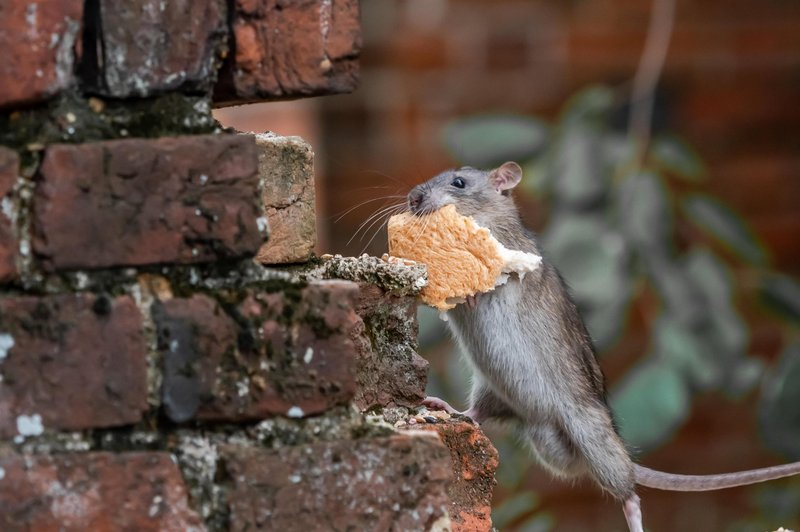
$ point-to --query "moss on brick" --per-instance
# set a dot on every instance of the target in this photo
(73, 119)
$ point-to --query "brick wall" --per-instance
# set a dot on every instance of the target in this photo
(153, 375)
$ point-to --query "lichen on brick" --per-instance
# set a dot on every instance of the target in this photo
(396, 279)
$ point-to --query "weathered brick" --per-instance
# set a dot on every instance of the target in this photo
(9, 246)
(270, 353)
(390, 372)
(390, 483)
(145, 47)
(37, 40)
(133, 202)
(474, 462)
(70, 362)
(291, 49)
(94, 491)
(286, 170)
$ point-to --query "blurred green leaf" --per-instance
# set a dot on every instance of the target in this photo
(745, 376)
(541, 522)
(591, 104)
(514, 460)
(780, 501)
(590, 256)
(779, 415)
(644, 207)
(537, 176)
(676, 288)
(718, 220)
(714, 281)
(432, 330)
(486, 141)
(674, 154)
(581, 177)
(513, 508)
(618, 149)
(687, 352)
(650, 404)
(782, 293)
(605, 323)
(710, 274)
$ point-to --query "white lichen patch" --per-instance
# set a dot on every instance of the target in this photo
(295, 412)
(155, 506)
(30, 425)
(81, 280)
(263, 224)
(6, 343)
(8, 209)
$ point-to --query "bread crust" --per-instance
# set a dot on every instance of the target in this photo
(462, 258)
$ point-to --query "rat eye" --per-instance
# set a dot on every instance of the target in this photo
(458, 183)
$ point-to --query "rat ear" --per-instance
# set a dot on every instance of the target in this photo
(506, 176)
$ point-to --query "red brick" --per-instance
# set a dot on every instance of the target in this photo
(150, 46)
(474, 461)
(291, 49)
(37, 40)
(94, 491)
(134, 202)
(390, 372)
(391, 483)
(77, 361)
(272, 353)
(286, 170)
(9, 246)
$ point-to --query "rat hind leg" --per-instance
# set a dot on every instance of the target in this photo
(554, 450)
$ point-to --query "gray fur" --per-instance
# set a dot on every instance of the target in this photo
(540, 370)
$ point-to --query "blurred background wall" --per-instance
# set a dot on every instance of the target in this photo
(730, 87)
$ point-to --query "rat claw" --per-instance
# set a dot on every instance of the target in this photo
(472, 301)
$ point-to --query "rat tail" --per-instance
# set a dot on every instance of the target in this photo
(674, 482)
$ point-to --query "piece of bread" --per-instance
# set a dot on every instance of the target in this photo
(463, 258)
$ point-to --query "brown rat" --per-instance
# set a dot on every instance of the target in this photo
(534, 362)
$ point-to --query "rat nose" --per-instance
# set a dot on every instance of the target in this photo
(415, 198)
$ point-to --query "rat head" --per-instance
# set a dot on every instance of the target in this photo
(475, 193)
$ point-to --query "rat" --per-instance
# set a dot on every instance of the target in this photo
(534, 362)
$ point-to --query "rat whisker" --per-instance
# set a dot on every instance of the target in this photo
(380, 227)
(375, 215)
(387, 176)
(341, 215)
(385, 214)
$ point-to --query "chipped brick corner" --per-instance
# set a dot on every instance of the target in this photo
(172, 354)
